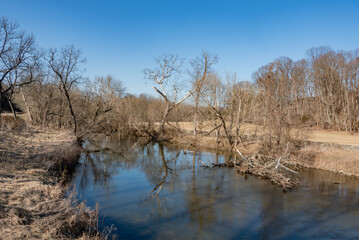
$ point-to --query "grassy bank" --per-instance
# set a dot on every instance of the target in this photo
(34, 166)
(343, 159)
(322, 149)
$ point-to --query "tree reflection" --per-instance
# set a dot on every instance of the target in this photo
(104, 157)
(165, 170)
(168, 188)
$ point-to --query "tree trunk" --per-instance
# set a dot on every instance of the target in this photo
(12, 108)
(238, 122)
(164, 118)
(218, 133)
(0, 100)
(26, 104)
(71, 109)
(195, 115)
(195, 122)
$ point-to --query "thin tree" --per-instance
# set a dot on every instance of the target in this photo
(201, 66)
(66, 66)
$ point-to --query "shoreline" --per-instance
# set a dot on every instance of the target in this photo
(34, 204)
(336, 158)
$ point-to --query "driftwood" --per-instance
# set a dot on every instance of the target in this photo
(145, 132)
(254, 165)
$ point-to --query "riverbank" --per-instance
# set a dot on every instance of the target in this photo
(35, 164)
(321, 149)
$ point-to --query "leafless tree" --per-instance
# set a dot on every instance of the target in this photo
(243, 100)
(66, 67)
(165, 76)
(201, 67)
(214, 94)
(17, 58)
(104, 94)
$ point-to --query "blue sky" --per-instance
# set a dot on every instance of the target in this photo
(121, 38)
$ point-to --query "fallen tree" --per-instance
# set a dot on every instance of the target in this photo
(263, 166)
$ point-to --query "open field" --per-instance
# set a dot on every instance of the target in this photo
(329, 136)
(313, 135)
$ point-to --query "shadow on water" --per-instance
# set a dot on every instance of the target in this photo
(154, 191)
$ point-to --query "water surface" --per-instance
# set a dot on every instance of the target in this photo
(152, 191)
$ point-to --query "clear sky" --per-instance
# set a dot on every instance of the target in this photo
(121, 38)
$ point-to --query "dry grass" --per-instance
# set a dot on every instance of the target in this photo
(329, 136)
(326, 149)
(207, 126)
(208, 143)
(33, 165)
(7, 123)
(330, 157)
(313, 135)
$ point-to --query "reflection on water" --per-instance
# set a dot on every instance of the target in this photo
(152, 191)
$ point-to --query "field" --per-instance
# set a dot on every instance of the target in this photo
(311, 134)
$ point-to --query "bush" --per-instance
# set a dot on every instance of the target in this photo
(9, 123)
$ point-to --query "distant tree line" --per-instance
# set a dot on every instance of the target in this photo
(322, 89)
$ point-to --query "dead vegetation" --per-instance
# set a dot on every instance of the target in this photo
(246, 159)
(8, 122)
(264, 167)
(34, 204)
(257, 159)
(342, 159)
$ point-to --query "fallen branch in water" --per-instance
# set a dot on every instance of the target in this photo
(205, 164)
(255, 165)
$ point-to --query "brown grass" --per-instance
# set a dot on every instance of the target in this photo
(9, 123)
(330, 157)
(325, 149)
(329, 136)
(313, 135)
(208, 143)
(33, 166)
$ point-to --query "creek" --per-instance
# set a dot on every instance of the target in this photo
(156, 191)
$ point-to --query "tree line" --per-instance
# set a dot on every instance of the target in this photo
(50, 86)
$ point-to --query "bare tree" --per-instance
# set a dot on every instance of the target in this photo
(164, 75)
(65, 65)
(201, 66)
(243, 104)
(16, 58)
(214, 94)
(105, 93)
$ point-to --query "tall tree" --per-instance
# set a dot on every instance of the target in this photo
(16, 58)
(201, 66)
(66, 67)
(165, 76)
